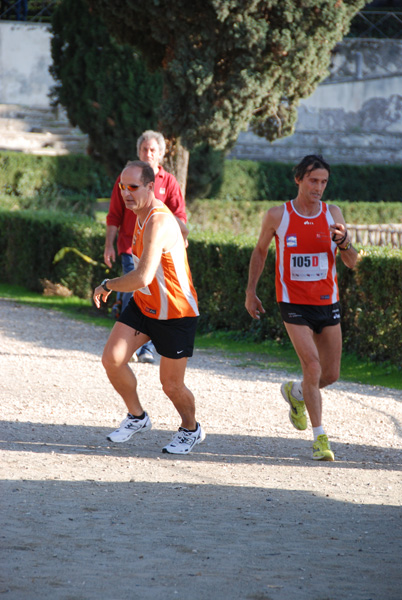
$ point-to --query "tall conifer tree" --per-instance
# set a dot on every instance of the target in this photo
(230, 63)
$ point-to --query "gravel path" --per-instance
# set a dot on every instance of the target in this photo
(247, 516)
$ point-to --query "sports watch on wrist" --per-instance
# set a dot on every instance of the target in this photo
(103, 284)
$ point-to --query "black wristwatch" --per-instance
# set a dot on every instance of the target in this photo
(103, 284)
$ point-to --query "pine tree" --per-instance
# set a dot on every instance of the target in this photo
(228, 64)
(108, 92)
(104, 86)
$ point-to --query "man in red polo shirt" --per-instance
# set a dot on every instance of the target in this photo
(120, 221)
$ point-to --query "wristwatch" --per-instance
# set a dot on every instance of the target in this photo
(103, 284)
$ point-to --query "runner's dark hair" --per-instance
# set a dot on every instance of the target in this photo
(309, 163)
(147, 172)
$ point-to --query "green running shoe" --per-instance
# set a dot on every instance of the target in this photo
(297, 412)
(322, 449)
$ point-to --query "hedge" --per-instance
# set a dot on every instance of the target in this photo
(253, 180)
(371, 294)
(28, 175)
(241, 180)
(29, 241)
(242, 216)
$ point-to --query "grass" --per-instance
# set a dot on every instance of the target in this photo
(76, 308)
(267, 354)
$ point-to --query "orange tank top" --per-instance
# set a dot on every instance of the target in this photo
(305, 258)
(171, 294)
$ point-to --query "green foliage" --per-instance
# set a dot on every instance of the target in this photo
(219, 265)
(371, 294)
(204, 172)
(29, 241)
(253, 180)
(244, 217)
(66, 183)
(103, 85)
(108, 92)
(371, 298)
(227, 64)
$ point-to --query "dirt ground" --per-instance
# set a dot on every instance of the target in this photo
(246, 516)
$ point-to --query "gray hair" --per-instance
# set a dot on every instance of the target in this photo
(152, 135)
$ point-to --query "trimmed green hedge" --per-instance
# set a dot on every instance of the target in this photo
(28, 175)
(371, 294)
(245, 217)
(29, 241)
(252, 180)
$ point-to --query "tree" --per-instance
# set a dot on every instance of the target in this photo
(108, 92)
(104, 86)
(228, 64)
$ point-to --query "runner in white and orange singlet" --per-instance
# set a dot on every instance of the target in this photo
(307, 234)
(163, 309)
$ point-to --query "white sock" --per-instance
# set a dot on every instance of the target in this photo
(318, 431)
(297, 390)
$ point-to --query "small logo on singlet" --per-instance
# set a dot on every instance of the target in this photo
(308, 223)
(162, 190)
(151, 310)
(291, 241)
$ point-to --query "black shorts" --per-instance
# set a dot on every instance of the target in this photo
(172, 338)
(315, 317)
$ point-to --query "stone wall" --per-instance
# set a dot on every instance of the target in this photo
(354, 116)
(24, 64)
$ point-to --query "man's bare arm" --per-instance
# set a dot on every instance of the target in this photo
(109, 255)
(270, 223)
(159, 235)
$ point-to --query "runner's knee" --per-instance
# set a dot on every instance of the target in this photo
(171, 387)
(312, 371)
(329, 376)
(109, 362)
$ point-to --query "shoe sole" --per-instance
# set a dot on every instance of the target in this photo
(200, 439)
(330, 458)
(145, 428)
(283, 392)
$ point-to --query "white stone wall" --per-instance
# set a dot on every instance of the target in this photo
(24, 64)
(355, 116)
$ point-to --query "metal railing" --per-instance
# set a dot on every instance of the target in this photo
(377, 24)
(27, 10)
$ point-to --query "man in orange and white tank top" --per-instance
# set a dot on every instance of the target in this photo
(308, 233)
(163, 309)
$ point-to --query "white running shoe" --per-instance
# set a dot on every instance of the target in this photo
(129, 427)
(144, 355)
(184, 440)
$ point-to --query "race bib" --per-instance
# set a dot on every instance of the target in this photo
(308, 267)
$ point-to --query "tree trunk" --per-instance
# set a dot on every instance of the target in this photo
(176, 162)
